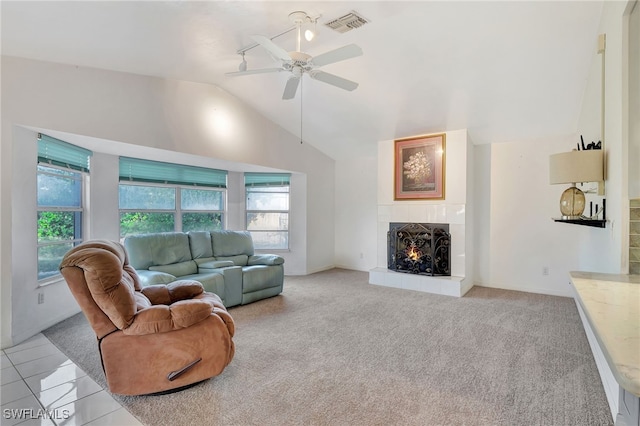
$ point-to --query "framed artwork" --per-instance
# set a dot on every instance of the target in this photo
(419, 168)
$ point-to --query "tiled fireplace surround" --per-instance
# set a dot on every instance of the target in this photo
(455, 209)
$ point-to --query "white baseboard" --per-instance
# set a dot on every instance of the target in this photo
(529, 289)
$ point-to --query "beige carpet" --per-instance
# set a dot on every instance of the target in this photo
(335, 350)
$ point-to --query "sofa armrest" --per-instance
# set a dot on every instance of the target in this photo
(214, 264)
(154, 277)
(265, 259)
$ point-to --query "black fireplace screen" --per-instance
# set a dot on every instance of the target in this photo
(419, 248)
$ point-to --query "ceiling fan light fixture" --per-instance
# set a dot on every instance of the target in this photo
(298, 63)
(309, 35)
(300, 19)
(310, 32)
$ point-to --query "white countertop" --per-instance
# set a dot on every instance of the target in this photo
(611, 303)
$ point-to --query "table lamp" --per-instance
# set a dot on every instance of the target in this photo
(572, 167)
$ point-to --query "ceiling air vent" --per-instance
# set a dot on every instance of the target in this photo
(348, 22)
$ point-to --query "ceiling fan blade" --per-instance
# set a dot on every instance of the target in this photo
(249, 72)
(275, 50)
(334, 80)
(291, 87)
(340, 54)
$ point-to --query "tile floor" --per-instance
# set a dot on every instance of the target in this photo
(41, 386)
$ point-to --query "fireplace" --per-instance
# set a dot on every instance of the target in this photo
(419, 248)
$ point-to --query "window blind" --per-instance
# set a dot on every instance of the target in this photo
(60, 153)
(266, 179)
(138, 170)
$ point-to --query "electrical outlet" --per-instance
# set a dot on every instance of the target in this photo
(545, 270)
(40, 298)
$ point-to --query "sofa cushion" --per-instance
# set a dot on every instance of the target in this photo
(177, 269)
(240, 260)
(214, 264)
(231, 243)
(200, 244)
(265, 259)
(164, 248)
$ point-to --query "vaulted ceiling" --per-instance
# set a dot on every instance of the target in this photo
(506, 71)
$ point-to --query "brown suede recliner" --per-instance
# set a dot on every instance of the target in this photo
(152, 339)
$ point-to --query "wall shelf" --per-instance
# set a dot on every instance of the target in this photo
(596, 223)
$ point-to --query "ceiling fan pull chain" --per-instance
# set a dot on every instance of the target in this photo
(301, 84)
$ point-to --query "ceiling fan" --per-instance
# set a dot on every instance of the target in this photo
(298, 63)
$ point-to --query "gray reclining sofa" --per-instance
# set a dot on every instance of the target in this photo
(223, 261)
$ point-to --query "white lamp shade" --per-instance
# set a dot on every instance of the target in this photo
(576, 166)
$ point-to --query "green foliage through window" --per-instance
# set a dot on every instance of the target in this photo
(56, 226)
(201, 221)
(167, 208)
(144, 223)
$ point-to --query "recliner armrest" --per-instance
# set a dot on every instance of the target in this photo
(163, 318)
(265, 259)
(161, 294)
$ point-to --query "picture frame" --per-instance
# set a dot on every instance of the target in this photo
(419, 168)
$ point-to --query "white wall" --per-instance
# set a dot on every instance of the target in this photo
(235, 219)
(523, 238)
(27, 315)
(142, 113)
(103, 197)
(482, 216)
(356, 213)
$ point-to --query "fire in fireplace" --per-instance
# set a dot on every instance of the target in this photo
(419, 248)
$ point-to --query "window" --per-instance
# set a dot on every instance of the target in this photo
(201, 209)
(267, 206)
(173, 197)
(146, 209)
(60, 186)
